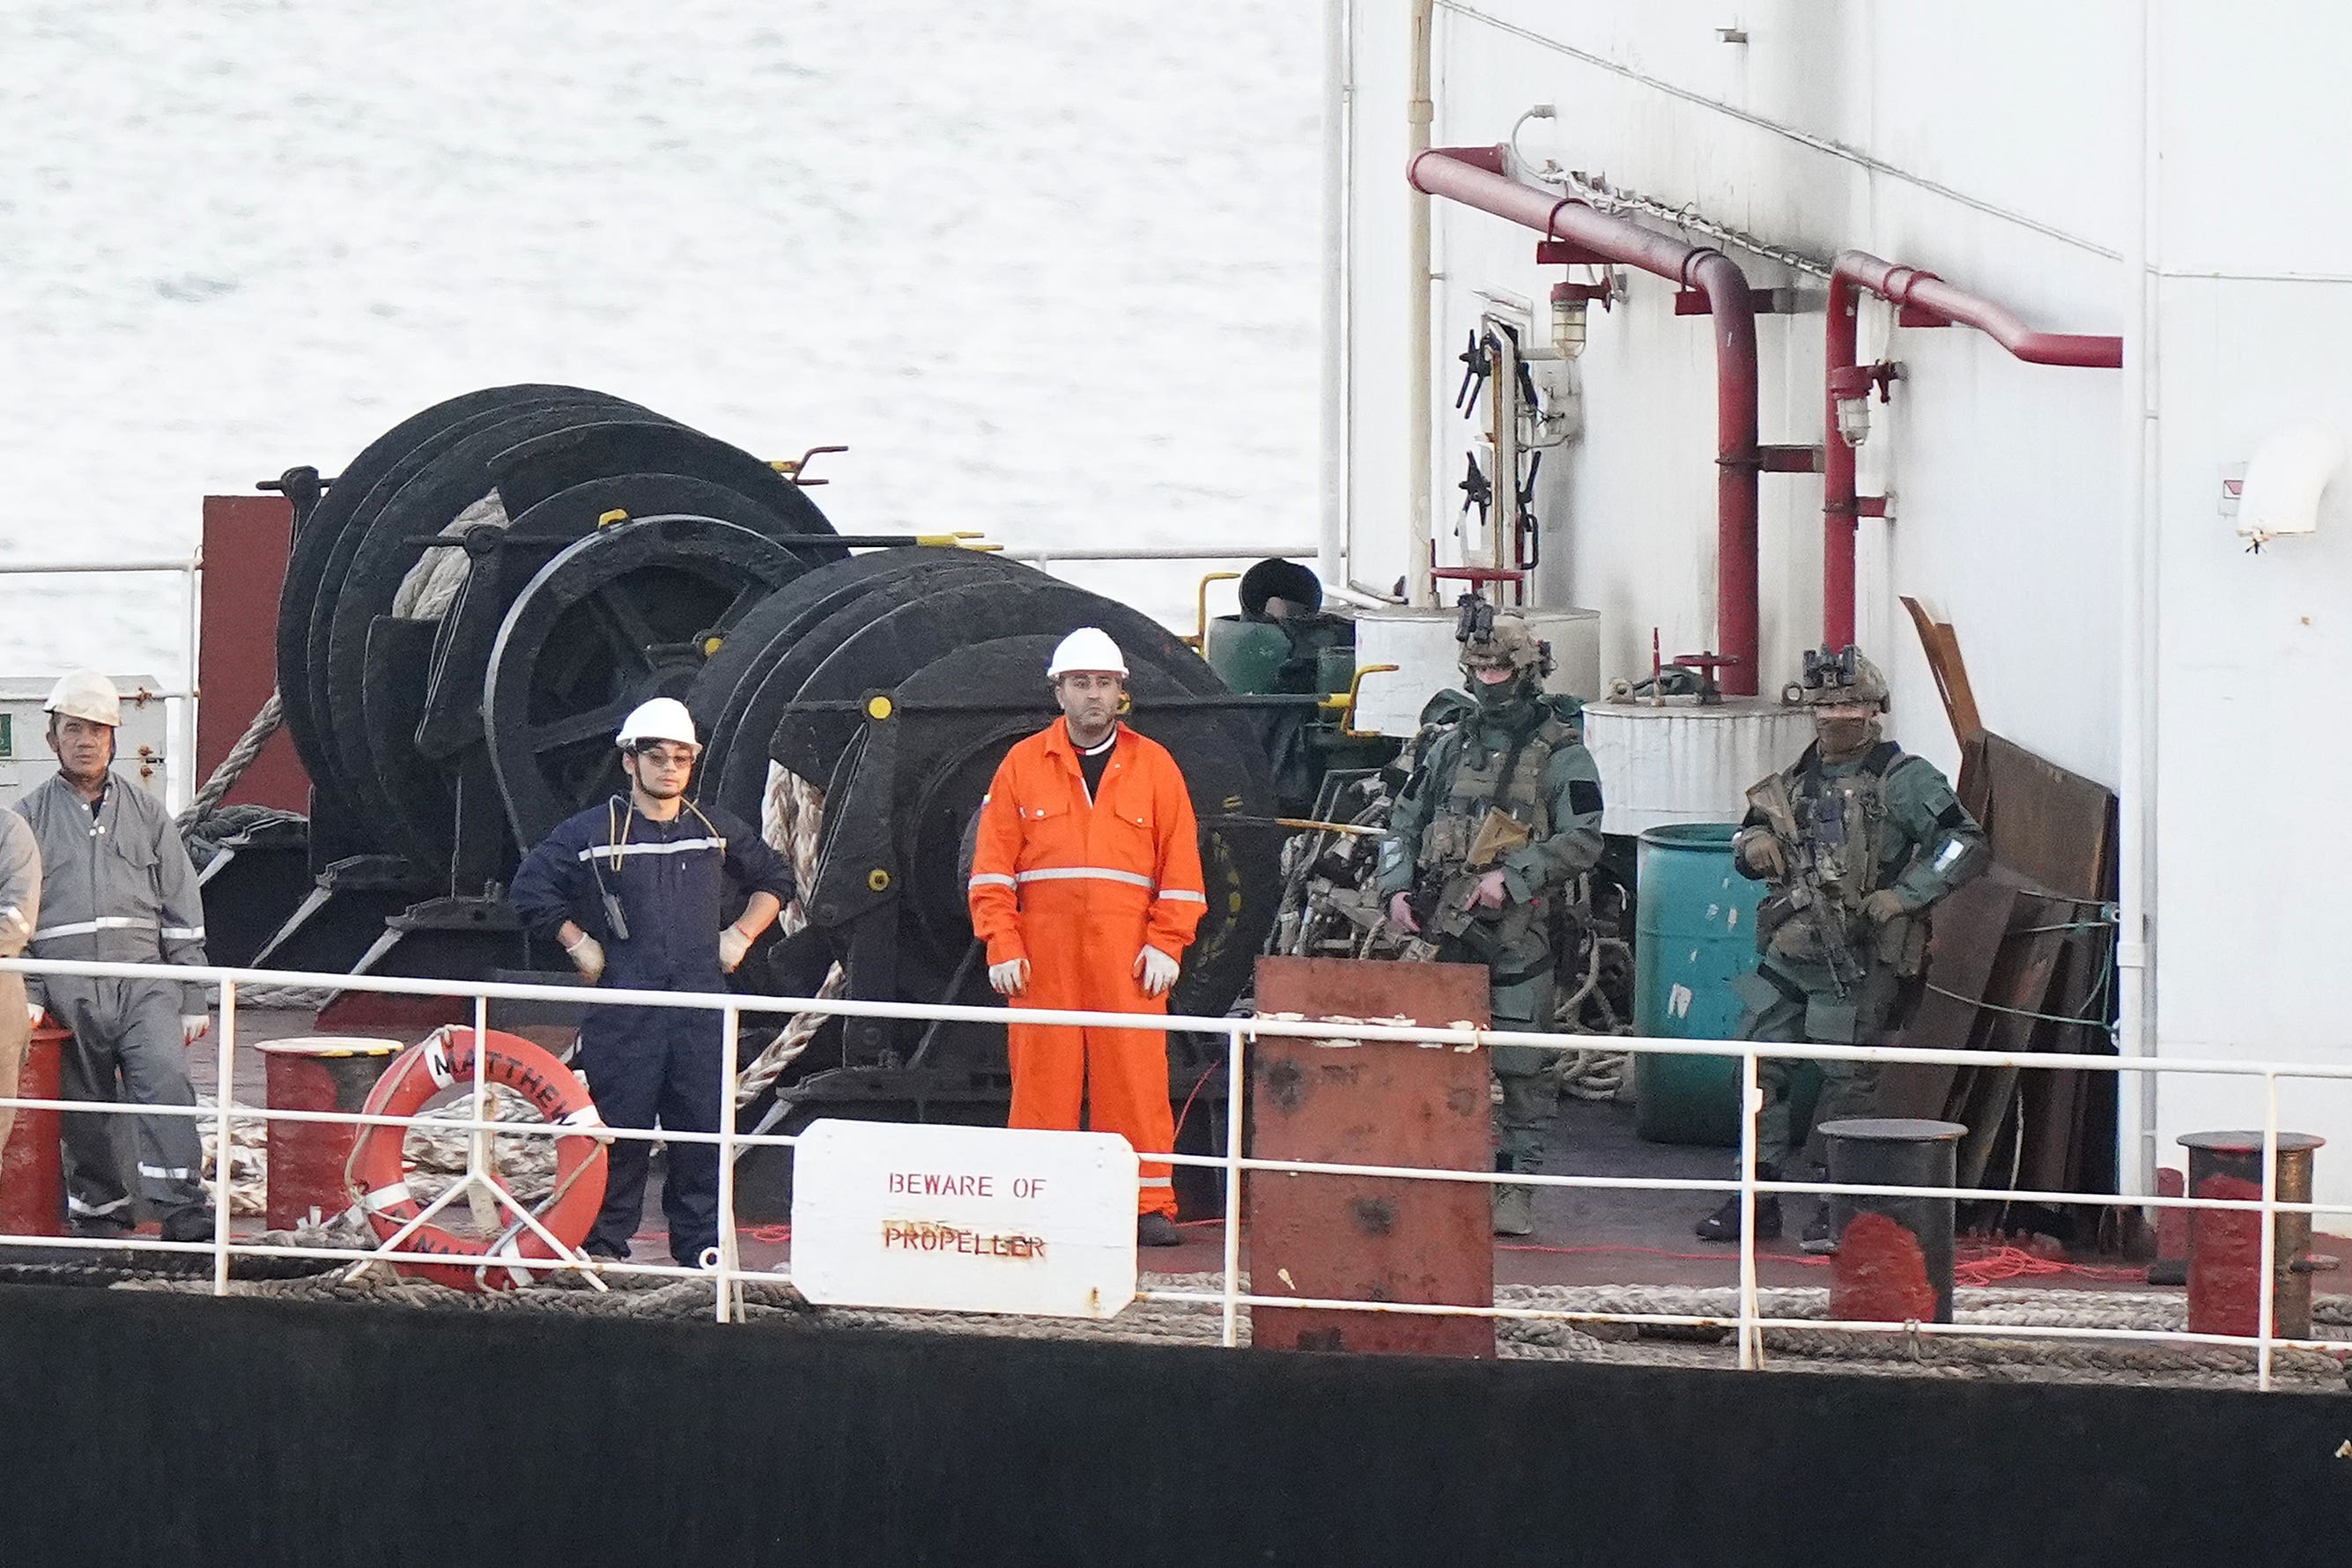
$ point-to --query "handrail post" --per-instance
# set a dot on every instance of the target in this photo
(481, 1168)
(224, 1075)
(2266, 1285)
(730, 1046)
(1750, 1104)
(195, 570)
(1232, 1184)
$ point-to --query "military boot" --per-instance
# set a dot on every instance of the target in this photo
(1723, 1224)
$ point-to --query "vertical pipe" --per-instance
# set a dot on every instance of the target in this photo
(2266, 1255)
(2137, 1033)
(1232, 1184)
(729, 1049)
(1332, 552)
(223, 1080)
(1420, 404)
(482, 1163)
(184, 793)
(1470, 176)
(1751, 1101)
(1837, 517)
(1731, 310)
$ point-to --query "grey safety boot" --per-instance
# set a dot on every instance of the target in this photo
(1514, 1210)
(1156, 1230)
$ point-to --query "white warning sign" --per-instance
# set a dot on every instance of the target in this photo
(966, 1219)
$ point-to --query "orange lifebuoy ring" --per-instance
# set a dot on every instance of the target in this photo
(378, 1177)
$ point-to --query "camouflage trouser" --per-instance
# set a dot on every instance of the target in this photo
(1529, 1077)
(1783, 998)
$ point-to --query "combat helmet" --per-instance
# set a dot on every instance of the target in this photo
(1836, 679)
(1499, 639)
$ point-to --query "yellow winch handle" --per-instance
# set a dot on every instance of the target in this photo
(1345, 705)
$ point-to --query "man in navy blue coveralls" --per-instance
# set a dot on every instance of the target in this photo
(632, 889)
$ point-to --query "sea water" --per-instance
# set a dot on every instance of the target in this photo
(1048, 269)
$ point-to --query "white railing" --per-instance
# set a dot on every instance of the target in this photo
(725, 1269)
(1041, 556)
(179, 782)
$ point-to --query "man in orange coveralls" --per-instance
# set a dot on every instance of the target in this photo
(1085, 886)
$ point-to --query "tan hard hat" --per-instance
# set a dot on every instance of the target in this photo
(86, 694)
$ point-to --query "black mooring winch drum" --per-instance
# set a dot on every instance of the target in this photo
(322, 548)
(383, 685)
(480, 596)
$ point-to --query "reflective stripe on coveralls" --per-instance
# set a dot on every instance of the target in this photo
(117, 886)
(652, 1066)
(1079, 887)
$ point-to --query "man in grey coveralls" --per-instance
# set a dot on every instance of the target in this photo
(117, 886)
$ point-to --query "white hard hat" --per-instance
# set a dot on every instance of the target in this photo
(86, 694)
(1088, 647)
(663, 718)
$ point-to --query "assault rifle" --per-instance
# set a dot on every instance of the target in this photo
(1810, 891)
(1444, 901)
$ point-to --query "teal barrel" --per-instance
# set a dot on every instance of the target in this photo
(1695, 933)
(1246, 655)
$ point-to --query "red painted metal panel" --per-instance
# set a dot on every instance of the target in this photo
(247, 540)
(1371, 1238)
(32, 1168)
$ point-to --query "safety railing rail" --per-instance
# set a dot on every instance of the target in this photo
(724, 1269)
(180, 761)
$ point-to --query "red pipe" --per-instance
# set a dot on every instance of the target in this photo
(1465, 175)
(1924, 300)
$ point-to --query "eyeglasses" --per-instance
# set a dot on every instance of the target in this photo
(666, 756)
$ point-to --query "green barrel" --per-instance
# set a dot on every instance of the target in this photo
(1246, 655)
(1695, 933)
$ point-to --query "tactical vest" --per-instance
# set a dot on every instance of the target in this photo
(1845, 818)
(1511, 778)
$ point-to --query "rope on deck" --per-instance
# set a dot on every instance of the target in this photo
(233, 766)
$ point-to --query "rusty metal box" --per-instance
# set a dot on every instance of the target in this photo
(1374, 1102)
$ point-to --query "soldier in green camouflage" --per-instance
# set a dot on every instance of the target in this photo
(1501, 815)
(1858, 840)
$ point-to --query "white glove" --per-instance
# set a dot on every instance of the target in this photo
(1010, 978)
(1400, 914)
(35, 1013)
(587, 957)
(194, 1026)
(733, 945)
(1156, 970)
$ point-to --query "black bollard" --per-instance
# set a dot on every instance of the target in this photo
(1894, 1253)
